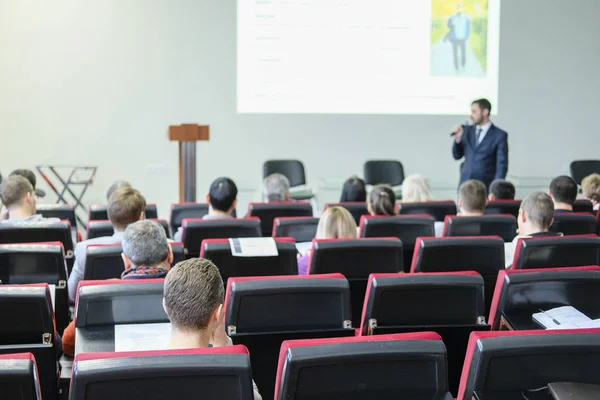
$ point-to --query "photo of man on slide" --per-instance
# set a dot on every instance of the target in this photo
(459, 38)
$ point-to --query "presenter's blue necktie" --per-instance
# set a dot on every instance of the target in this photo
(478, 136)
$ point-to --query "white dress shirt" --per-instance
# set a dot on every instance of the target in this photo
(484, 130)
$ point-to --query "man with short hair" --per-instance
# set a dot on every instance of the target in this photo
(501, 189)
(471, 198)
(125, 206)
(221, 199)
(147, 254)
(30, 176)
(535, 217)
(276, 187)
(563, 191)
(193, 300)
(18, 199)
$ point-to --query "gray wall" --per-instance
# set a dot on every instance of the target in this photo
(98, 82)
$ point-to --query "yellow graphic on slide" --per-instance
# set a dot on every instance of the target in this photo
(459, 31)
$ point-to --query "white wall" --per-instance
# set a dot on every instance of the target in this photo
(98, 82)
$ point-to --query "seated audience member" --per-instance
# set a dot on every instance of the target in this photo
(193, 300)
(471, 198)
(563, 191)
(125, 206)
(115, 186)
(221, 199)
(335, 223)
(276, 187)
(535, 217)
(147, 254)
(590, 186)
(382, 201)
(18, 199)
(415, 189)
(30, 176)
(501, 189)
(354, 190)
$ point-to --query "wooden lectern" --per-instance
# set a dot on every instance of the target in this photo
(187, 135)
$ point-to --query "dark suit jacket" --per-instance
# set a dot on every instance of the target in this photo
(485, 162)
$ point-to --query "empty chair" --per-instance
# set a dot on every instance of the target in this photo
(552, 252)
(219, 252)
(28, 326)
(356, 259)
(583, 205)
(38, 263)
(404, 366)
(262, 312)
(98, 212)
(483, 254)
(181, 211)
(302, 229)
(521, 293)
(294, 171)
(503, 207)
(407, 228)
(519, 365)
(437, 209)
(582, 168)
(357, 209)
(574, 224)
(60, 211)
(97, 229)
(504, 226)
(389, 172)
(451, 304)
(267, 212)
(212, 374)
(165, 226)
(19, 378)
(195, 230)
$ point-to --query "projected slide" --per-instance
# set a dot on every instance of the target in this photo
(366, 56)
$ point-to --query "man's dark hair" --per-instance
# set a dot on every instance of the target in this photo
(354, 190)
(383, 200)
(502, 189)
(222, 194)
(484, 104)
(563, 189)
(27, 174)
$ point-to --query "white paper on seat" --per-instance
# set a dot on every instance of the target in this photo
(565, 317)
(52, 295)
(142, 337)
(303, 247)
(253, 247)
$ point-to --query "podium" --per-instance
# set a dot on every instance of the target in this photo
(187, 135)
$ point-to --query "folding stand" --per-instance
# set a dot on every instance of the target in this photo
(73, 180)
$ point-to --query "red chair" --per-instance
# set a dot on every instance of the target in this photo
(552, 252)
(302, 229)
(582, 223)
(504, 226)
(503, 207)
(437, 209)
(19, 378)
(267, 212)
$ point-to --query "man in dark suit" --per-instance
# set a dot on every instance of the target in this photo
(483, 145)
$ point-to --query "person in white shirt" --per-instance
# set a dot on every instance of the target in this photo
(535, 217)
(19, 203)
(193, 300)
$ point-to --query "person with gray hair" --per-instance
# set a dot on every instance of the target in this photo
(535, 217)
(276, 187)
(116, 185)
(146, 251)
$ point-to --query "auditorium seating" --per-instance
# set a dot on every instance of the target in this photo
(104, 261)
(356, 259)
(212, 373)
(451, 304)
(407, 228)
(60, 211)
(583, 205)
(262, 312)
(581, 168)
(38, 263)
(437, 209)
(97, 229)
(482, 254)
(389, 172)
(574, 223)
(521, 293)
(294, 171)
(195, 230)
(181, 211)
(28, 326)
(519, 365)
(98, 212)
(551, 252)
(503, 207)
(356, 208)
(219, 252)
(301, 229)
(267, 212)
(404, 366)
(19, 378)
(504, 226)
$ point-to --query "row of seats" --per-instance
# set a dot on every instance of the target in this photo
(263, 312)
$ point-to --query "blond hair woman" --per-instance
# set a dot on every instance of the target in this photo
(415, 189)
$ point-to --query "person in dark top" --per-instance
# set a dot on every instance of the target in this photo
(563, 191)
(382, 201)
(354, 190)
(501, 189)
